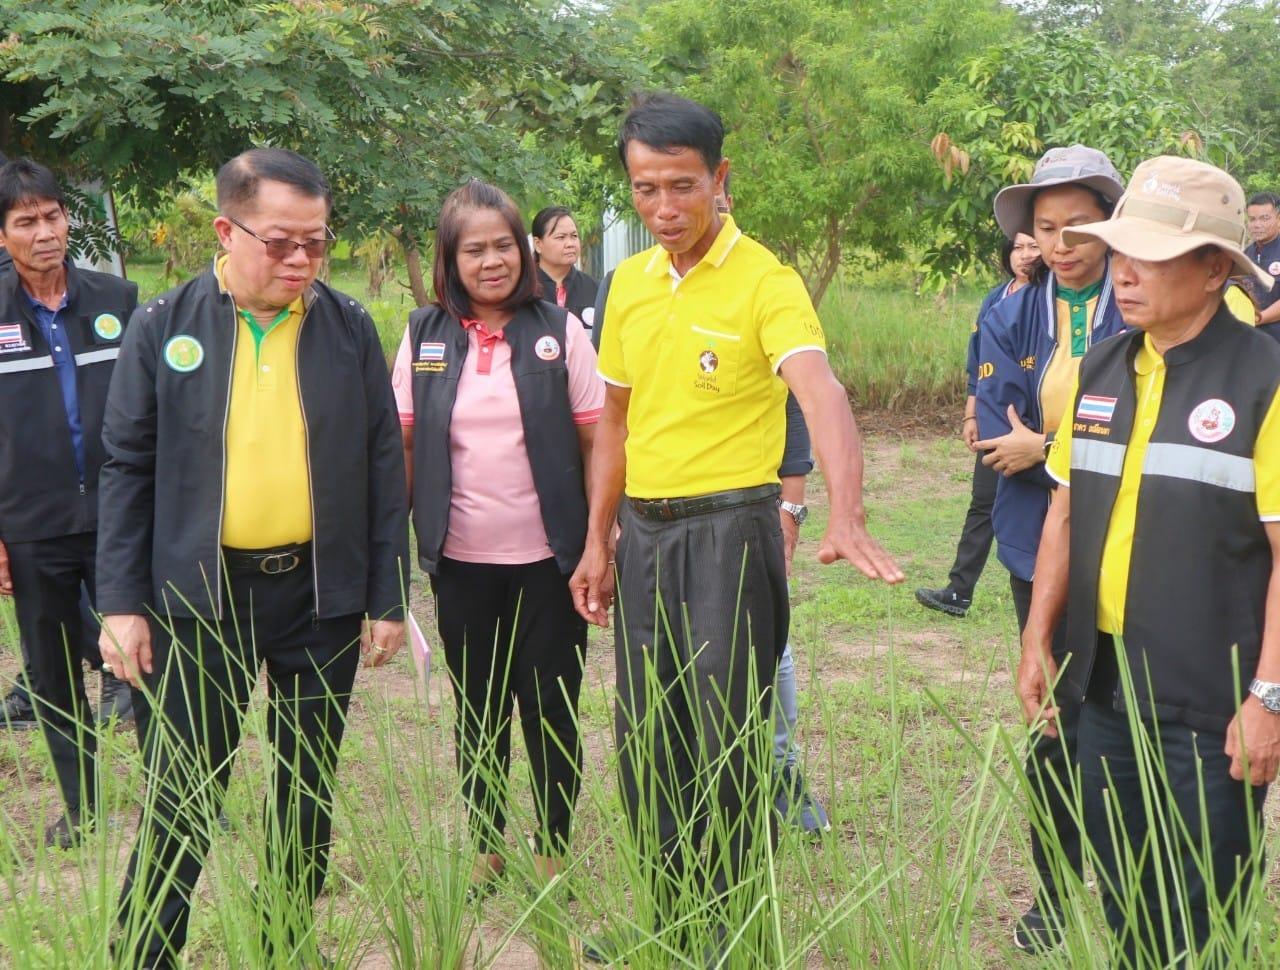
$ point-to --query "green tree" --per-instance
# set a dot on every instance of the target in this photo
(827, 108)
(1006, 108)
(398, 100)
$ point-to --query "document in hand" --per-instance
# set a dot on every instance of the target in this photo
(421, 651)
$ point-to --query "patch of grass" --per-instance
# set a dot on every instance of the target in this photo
(896, 351)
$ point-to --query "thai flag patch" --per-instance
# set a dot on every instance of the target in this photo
(11, 339)
(1094, 408)
(430, 351)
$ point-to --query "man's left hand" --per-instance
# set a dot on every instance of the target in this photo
(1254, 736)
(379, 640)
(1014, 452)
(849, 539)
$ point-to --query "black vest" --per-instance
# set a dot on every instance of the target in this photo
(1201, 560)
(41, 494)
(438, 348)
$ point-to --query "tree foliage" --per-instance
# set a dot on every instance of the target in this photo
(826, 103)
(1005, 109)
(398, 100)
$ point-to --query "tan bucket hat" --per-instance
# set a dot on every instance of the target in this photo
(1074, 165)
(1173, 206)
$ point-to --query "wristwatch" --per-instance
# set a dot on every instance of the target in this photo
(797, 512)
(1268, 693)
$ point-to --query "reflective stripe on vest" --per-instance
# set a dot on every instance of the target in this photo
(1099, 457)
(1199, 465)
(31, 363)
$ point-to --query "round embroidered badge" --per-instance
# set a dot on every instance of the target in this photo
(183, 353)
(107, 326)
(547, 348)
(1274, 268)
(1211, 420)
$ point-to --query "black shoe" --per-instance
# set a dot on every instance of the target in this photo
(796, 804)
(115, 700)
(945, 600)
(16, 713)
(1036, 933)
(67, 832)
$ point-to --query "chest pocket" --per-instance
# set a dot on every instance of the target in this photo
(709, 361)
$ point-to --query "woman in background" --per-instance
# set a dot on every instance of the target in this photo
(557, 246)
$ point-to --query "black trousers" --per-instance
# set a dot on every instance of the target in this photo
(510, 633)
(976, 537)
(203, 673)
(701, 621)
(1050, 764)
(1200, 812)
(47, 579)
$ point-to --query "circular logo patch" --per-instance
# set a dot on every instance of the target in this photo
(1211, 420)
(1274, 268)
(708, 361)
(107, 326)
(183, 353)
(547, 348)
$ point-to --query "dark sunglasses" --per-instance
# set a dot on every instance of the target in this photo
(284, 248)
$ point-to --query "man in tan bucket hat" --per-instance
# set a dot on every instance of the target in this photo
(1162, 547)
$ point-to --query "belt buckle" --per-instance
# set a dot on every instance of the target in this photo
(665, 510)
(278, 563)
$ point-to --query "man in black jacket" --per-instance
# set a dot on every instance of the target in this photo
(1162, 545)
(253, 510)
(60, 333)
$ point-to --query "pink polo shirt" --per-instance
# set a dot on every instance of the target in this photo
(494, 515)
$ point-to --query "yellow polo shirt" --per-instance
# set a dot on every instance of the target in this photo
(1117, 550)
(701, 354)
(1240, 305)
(268, 488)
(1075, 321)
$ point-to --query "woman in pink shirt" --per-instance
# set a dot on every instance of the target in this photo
(498, 400)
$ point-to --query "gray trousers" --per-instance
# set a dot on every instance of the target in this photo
(701, 622)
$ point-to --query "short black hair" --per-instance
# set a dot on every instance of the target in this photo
(238, 179)
(1265, 198)
(23, 180)
(546, 219)
(451, 295)
(669, 123)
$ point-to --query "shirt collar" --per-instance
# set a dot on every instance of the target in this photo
(483, 333)
(37, 305)
(1148, 359)
(299, 305)
(725, 240)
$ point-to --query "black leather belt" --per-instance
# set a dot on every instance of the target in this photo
(270, 562)
(667, 509)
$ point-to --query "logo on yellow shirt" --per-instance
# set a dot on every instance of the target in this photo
(708, 361)
(183, 353)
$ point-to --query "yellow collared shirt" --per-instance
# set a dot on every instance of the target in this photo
(701, 354)
(268, 488)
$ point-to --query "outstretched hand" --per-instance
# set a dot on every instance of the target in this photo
(848, 539)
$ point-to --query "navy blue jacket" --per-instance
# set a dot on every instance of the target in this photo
(1018, 338)
(997, 294)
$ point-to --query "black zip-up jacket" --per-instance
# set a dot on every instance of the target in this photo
(41, 493)
(163, 486)
(579, 292)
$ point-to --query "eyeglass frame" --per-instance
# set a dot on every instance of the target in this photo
(329, 238)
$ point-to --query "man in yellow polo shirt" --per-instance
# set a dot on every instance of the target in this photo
(253, 513)
(706, 333)
(1162, 544)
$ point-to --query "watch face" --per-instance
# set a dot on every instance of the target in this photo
(1271, 699)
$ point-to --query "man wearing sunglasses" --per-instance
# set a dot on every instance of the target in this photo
(253, 511)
